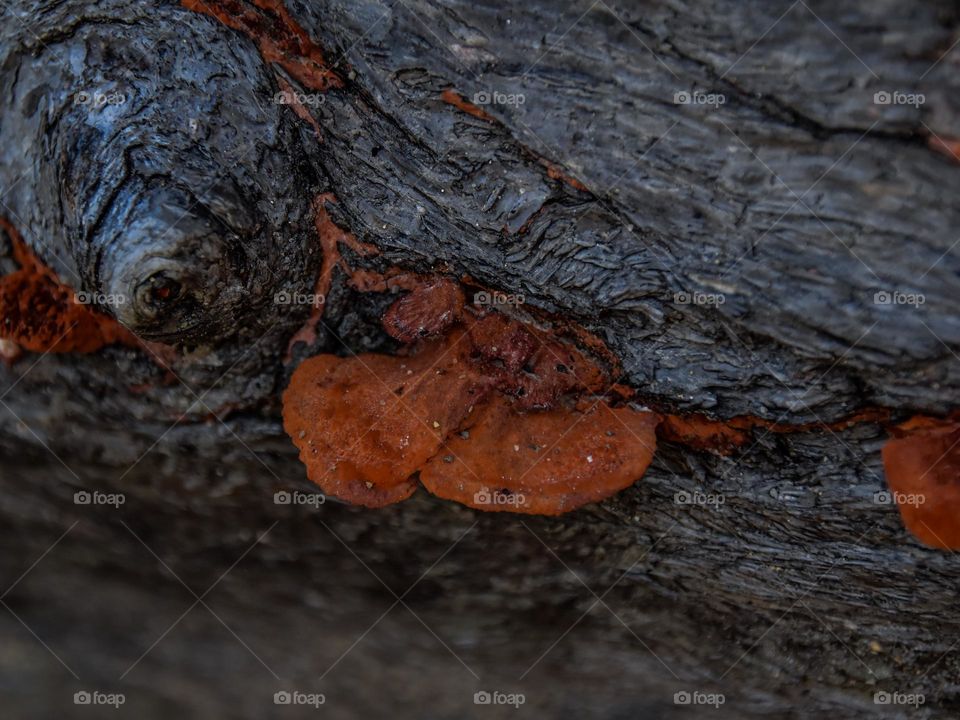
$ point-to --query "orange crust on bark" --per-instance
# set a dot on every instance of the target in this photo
(544, 463)
(452, 97)
(279, 38)
(922, 465)
(364, 425)
(330, 236)
(40, 313)
(430, 309)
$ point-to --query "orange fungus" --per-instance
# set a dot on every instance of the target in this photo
(429, 310)
(365, 424)
(546, 462)
(496, 414)
(922, 465)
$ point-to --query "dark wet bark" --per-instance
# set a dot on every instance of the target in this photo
(796, 200)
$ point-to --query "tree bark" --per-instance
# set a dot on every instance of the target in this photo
(609, 162)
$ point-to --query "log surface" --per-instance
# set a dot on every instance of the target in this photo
(797, 200)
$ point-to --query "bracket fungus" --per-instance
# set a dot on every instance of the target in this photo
(542, 462)
(429, 310)
(493, 408)
(364, 425)
(922, 465)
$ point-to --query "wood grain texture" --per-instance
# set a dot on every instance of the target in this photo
(797, 200)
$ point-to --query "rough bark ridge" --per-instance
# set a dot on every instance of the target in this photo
(144, 153)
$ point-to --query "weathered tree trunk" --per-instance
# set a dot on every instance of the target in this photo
(545, 150)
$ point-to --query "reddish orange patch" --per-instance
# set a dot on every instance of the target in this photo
(331, 236)
(41, 314)
(702, 433)
(452, 97)
(532, 363)
(504, 344)
(365, 424)
(429, 310)
(555, 172)
(922, 465)
(544, 463)
(278, 36)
